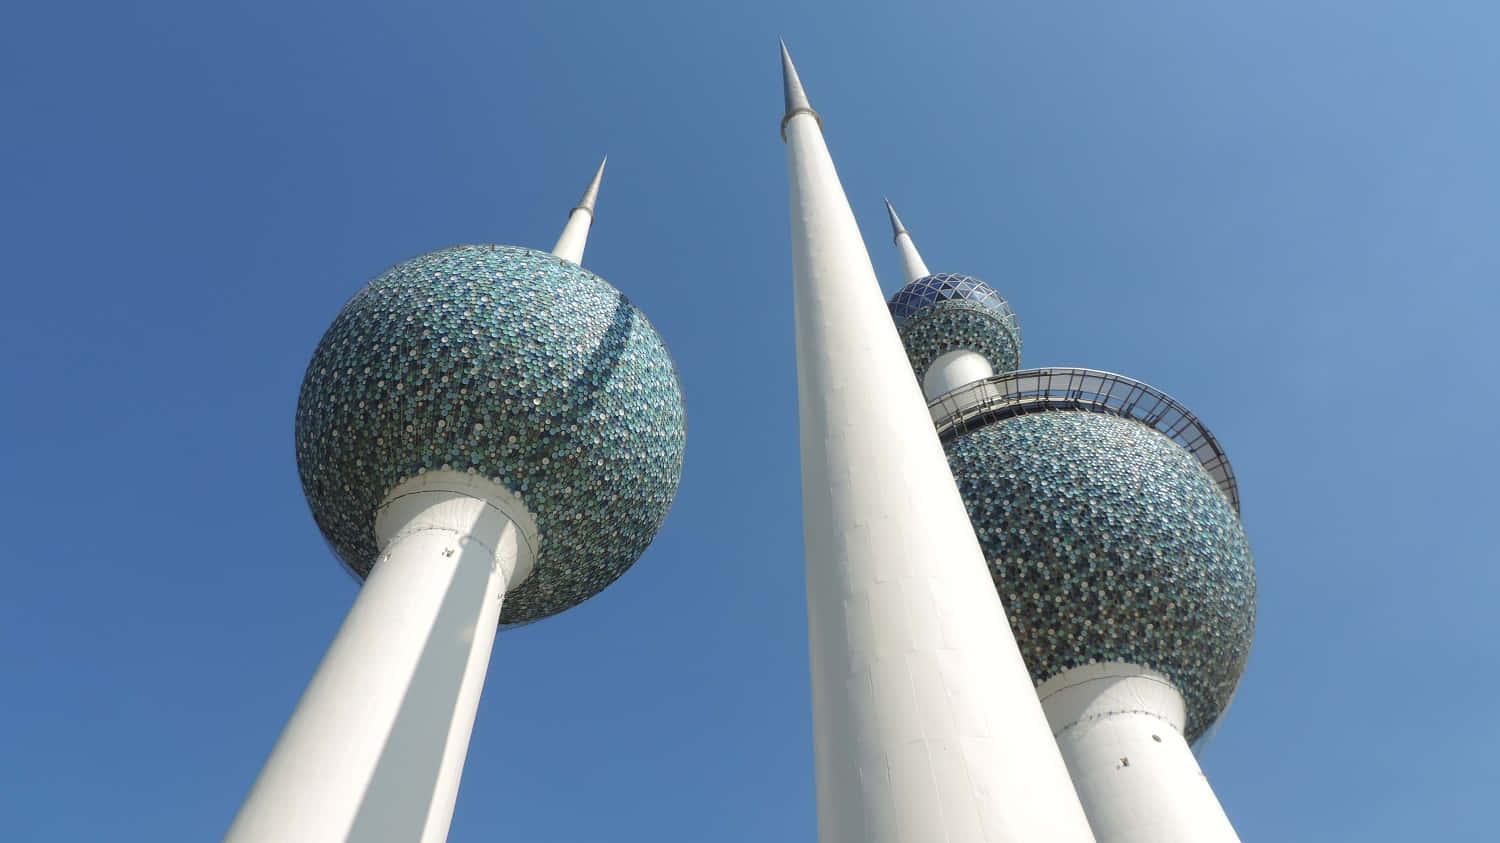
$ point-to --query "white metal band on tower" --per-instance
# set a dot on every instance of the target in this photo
(1119, 727)
(926, 724)
(375, 748)
(576, 233)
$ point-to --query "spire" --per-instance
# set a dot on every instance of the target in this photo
(591, 195)
(570, 245)
(911, 261)
(915, 671)
(897, 229)
(793, 92)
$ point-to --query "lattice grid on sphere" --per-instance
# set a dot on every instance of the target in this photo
(511, 364)
(950, 312)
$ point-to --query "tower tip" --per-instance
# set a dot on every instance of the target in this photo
(591, 196)
(791, 84)
(897, 229)
(794, 93)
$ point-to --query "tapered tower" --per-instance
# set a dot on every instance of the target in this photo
(486, 435)
(925, 722)
(1109, 517)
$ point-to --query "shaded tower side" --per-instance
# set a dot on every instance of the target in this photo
(926, 726)
(1109, 518)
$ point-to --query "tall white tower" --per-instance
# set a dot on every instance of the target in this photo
(477, 465)
(925, 723)
(1109, 517)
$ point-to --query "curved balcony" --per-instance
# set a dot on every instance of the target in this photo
(1090, 390)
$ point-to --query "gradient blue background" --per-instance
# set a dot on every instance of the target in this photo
(1282, 214)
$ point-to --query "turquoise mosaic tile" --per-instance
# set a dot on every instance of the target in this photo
(512, 364)
(947, 312)
(1109, 542)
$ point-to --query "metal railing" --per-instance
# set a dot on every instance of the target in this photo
(1039, 390)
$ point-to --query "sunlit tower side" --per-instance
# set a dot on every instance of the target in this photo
(926, 726)
(486, 435)
(1109, 516)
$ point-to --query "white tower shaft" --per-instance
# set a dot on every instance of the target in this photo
(1119, 727)
(576, 233)
(375, 748)
(926, 723)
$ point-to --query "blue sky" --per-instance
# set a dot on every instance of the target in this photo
(1282, 214)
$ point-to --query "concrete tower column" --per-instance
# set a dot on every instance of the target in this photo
(1119, 727)
(576, 233)
(926, 723)
(375, 747)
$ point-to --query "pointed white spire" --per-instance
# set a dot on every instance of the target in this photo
(926, 723)
(576, 233)
(793, 93)
(911, 261)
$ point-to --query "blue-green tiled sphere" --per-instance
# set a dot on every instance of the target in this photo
(948, 312)
(508, 363)
(1109, 542)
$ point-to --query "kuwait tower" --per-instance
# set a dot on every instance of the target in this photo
(486, 435)
(926, 725)
(1109, 518)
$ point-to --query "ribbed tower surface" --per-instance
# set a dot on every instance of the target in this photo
(1109, 542)
(511, 364)
(948, 312)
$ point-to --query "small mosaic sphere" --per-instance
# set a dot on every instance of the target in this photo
(514, 365)
(947, 312)
(1108, 542)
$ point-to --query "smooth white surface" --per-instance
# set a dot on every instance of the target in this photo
(926, 724)
(375, 747)
(1119, 727)
(953, 370)
(574, 235)
(911, 261)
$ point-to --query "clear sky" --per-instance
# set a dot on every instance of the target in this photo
(1283, 214)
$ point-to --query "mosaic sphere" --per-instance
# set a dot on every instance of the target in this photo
(1108, 542)
(946, 312)
(511, 364)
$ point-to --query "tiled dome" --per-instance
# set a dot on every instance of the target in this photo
(947, 312)
(511, 364)
(1108, 542)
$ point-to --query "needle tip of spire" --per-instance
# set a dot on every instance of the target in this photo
(897, 229)
(791, 84)
(591, 196)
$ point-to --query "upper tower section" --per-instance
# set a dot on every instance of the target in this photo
(956, 329)
(511, 364)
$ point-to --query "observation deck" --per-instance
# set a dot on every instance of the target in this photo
(1090, 390)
